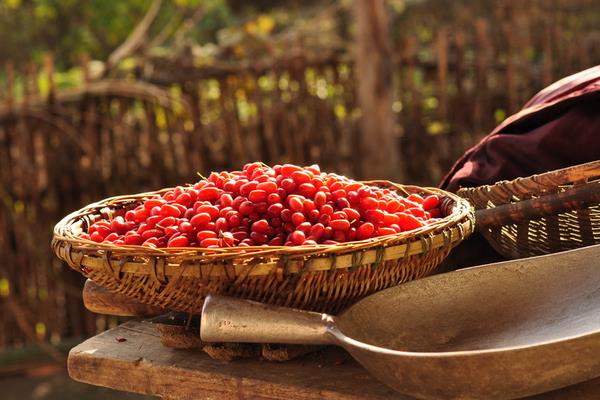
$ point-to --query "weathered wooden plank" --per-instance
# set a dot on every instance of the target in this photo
(102, 301)
(141, 364)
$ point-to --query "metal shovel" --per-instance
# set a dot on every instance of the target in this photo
(499, 331)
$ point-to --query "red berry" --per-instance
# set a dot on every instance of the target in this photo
(184, 198)
(246, 208)
(205, 235)
(286, 215)
(298, 218)
(326, 209)
(140, 214)
(308, 205)
(320, 199)
(375, 216)
(208, 194)
(259, 238)
(338, 194)
(260, 226)
(152, 233)
(342, 202)
(288, 185)
(289, 169)
(415, 198)
(273, 198)
(352, 214)
(165, 222)
(369, 203)
(210, 242)
(365, 231)
(209, 209)
(275, 209)
(186, 227)
(416, 211)
(133, 240)
(221, 224)
(257, 196)
(340, 224)
(239, 236)
(313, 215)
(119, 225)
(200, 220)
(151, 203)
(171, 231)
(339, 236)
(297, 237)
(308, 190)
(339, 215)
(304, 227)
(234, 220)
(96, 237)
(268, 187)
(248, 187)
(152, 242)
(408, 222)
(276, 241)
(382, 231)
(316, 231)
(179, 241)
(351, 234)
(130, 216)
(170, 210)
(295, 203)
(390, 219)
(226, 200)
(261, 207)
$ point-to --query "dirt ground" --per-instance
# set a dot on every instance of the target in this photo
(58, 387)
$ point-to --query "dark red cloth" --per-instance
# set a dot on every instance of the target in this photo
(557, 128)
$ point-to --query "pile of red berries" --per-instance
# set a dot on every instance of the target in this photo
(285, 205)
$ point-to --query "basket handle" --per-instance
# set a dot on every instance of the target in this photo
(225, 319)
(550, 204)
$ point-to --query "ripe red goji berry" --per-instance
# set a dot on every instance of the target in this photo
(297, 237)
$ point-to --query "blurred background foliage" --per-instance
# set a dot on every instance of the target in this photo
(68, 28)
(233, 30)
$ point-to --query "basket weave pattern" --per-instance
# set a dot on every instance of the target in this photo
(320, 278)
(561, 231)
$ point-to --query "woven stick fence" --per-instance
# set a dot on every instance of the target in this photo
(63, 148)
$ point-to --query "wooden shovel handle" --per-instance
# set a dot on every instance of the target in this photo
(550, 204)
(101, 301)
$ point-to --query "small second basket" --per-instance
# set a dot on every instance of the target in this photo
(320, 278)
(540, 214)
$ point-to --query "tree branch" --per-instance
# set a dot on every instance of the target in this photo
(135, 39)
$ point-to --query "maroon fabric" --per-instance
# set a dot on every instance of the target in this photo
(557, 128)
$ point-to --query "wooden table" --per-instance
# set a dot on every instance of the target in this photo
(131, 358)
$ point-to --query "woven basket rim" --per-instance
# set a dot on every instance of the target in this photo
(190, 261)
(540, 182)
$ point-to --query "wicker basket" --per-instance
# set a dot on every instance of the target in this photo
(546, 213)
(321, 278)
